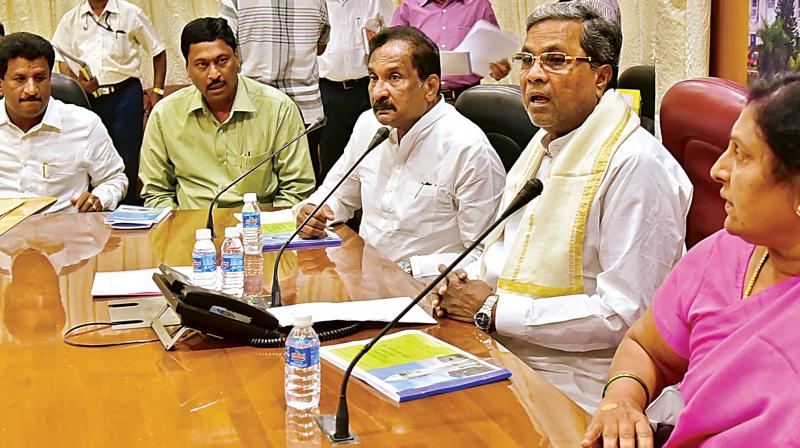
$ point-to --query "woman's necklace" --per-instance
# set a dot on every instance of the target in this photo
(756, 272)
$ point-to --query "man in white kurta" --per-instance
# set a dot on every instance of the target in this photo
(577, 266)
(434, 185)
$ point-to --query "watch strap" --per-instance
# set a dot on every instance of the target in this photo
(158, 91)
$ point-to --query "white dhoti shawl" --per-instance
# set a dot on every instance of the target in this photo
(545, 259)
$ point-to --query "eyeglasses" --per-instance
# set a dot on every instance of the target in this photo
(105, 26)
(551, 61)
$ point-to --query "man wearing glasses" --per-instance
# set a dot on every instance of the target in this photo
(576, 267)
(103, 42)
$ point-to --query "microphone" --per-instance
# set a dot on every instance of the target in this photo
(380, 137)
(532, 188)
(318, 123)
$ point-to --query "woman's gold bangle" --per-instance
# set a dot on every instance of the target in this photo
(633, 377)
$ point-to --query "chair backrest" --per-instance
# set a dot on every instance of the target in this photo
(696, 120)
(68, 90)
(499, 112)
(643, 79)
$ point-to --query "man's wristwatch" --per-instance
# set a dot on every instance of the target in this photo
(483, 318)
(158, 91)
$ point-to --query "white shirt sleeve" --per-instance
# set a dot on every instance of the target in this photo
(641, 236)
(347, 199)
(105, 167)
(229, 12)
(62, 38)
(146, 35)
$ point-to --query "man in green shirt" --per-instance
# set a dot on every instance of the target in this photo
(201, 138)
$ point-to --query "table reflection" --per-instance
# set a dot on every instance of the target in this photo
(37, 258)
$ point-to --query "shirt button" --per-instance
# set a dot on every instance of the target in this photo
(444, 46)
(444, 27)
(221, 131)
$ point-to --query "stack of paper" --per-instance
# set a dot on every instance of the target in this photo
(486, 43)
(129, 283)
(412, 364)
(134, 217)
(277, 227)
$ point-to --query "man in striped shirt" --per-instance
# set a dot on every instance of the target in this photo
(279, 41)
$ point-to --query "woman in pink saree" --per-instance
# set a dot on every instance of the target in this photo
(726, 323)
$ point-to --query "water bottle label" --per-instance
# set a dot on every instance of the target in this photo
(232, 263)
(251, 220)
(204, 262)
(302, 357)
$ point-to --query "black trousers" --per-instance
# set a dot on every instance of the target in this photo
(313, 148)
(122, 113)
(343, 103)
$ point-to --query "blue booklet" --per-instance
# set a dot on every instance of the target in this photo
(136, 217)
(412, 364)
(274, 241)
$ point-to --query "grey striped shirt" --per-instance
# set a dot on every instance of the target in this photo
(278, 45)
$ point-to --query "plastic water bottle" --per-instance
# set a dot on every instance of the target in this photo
(251, 225)
(204, 260)
(232, 262)
(302, 375)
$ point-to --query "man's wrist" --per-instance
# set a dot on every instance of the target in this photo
(158, 91)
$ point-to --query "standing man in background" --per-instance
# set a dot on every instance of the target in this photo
(110, 36)
(343, 70)
(279, 41)
(447, 23)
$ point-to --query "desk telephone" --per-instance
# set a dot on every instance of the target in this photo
(226, 316)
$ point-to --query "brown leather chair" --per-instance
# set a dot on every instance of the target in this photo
(696, 120)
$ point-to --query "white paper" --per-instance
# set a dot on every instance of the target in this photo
(130, 283)
(380, 310)
(455, 63)
(487, 43)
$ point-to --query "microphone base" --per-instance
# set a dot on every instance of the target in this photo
(327, 423)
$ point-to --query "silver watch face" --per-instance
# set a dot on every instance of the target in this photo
(483, 320)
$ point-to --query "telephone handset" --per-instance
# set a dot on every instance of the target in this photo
(213, 312)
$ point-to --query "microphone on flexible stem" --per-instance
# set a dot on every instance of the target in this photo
(318, 123)
(532, 188)
(380, 137)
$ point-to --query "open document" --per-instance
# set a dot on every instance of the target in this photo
(485, 44)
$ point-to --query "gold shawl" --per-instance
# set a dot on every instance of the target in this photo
(546, 257)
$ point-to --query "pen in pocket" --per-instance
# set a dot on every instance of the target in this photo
(422, 185)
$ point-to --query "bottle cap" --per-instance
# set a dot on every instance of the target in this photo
(231, 232)
(250, 197)
(202, 234)
(302, 320)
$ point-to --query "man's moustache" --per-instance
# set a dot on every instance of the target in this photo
(383, 106)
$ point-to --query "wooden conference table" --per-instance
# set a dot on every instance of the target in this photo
(207, 392)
